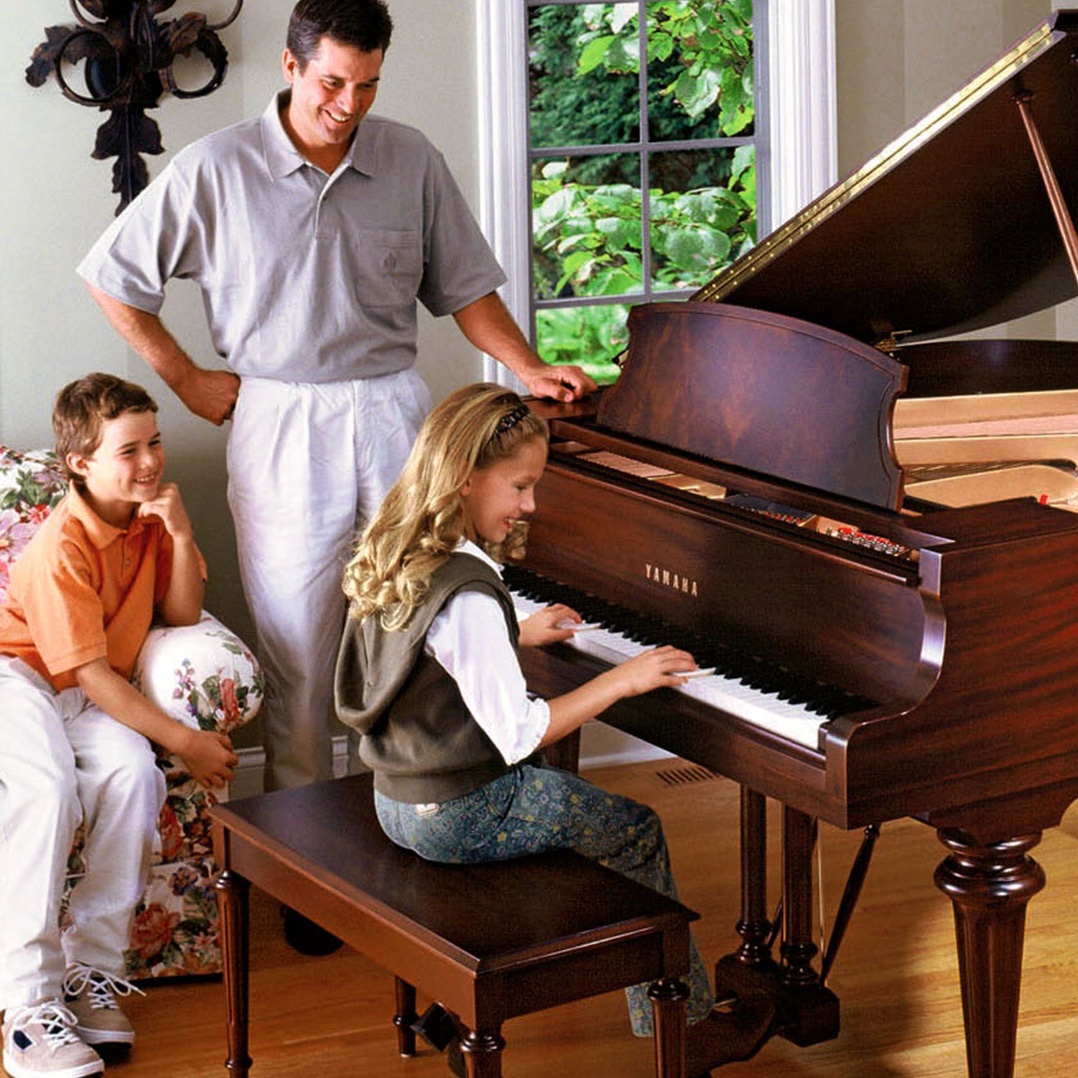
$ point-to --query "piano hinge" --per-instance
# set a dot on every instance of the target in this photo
(890, 342)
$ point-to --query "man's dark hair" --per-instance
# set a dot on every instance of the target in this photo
(83, 405)
(362, 24)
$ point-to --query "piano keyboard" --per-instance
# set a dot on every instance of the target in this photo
(795, 712)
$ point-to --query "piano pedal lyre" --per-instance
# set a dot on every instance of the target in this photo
(806, 1010)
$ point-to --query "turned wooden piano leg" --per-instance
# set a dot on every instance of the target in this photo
(990, 885)
(798, 950)
(483, 1053)
(810, 1012)
(754, 928)
(670, 1004)
(803, 1009)
(232, 904)
(751, 966)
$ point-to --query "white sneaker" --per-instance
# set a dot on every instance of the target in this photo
(40, 1040)
(90, 994)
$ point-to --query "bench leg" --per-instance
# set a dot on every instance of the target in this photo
(669, 1003)
(232, 903)
(482, 1054)
(405, 1017)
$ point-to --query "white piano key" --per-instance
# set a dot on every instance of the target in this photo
(792, 721)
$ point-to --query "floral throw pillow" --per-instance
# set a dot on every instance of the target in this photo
(31, 485)
(202, 675)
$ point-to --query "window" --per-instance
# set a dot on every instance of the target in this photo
(587, 105)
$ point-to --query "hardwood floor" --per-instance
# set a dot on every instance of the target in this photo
(896, 973)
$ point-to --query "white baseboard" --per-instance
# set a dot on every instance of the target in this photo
(604, 746)
(600, 746)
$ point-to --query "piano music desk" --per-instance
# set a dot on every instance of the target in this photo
(490, 942)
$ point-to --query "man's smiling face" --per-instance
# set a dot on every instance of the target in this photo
(330, 97)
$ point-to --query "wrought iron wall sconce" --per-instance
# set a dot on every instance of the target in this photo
(128, 59)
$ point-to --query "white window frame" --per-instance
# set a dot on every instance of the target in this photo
(800, 154)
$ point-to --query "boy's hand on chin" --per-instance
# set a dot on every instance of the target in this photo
(168, 507)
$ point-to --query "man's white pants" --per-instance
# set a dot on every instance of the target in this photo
(64, 761)
(308, 464)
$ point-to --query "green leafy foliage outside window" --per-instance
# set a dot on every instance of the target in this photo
(696, 157)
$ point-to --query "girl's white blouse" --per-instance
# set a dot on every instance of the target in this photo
(468, 638)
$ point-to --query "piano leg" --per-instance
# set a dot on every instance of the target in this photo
(805, 1012)
(812, 1015)
(754, 928)
(989, 885)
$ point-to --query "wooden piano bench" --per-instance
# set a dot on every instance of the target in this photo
(489, 942)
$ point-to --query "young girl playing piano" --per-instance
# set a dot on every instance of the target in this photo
(429, 676)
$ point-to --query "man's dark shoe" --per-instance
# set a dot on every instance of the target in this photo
(435, 1026)
(455, 1057)
(303, 935)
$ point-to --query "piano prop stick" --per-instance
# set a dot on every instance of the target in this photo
(884, 603)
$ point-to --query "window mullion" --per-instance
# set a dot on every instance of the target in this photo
(645, 155)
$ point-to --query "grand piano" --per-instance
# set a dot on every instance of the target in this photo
(862, 518)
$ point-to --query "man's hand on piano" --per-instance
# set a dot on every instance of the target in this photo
(549, 625)
(561, 382)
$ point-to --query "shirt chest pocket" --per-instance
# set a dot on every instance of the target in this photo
(387, 266)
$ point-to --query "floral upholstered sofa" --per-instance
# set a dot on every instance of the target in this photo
(202, 675)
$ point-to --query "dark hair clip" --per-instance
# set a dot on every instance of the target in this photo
(510, 420)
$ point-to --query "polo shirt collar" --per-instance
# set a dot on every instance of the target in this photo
(282, 157)
(98, 531)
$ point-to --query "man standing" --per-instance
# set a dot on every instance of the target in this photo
(311, 231)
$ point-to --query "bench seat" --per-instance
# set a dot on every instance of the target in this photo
(489, 942)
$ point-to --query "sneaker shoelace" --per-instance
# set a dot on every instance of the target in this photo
(102, 987)
(56, 1021)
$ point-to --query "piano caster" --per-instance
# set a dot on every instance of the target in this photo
(805, 1014)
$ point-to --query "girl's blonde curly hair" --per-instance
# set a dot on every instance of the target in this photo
(421, 520)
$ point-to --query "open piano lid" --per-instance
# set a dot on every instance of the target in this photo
(950, 227)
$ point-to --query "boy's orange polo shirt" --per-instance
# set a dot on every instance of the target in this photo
(84, 590)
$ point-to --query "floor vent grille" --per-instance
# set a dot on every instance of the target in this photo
(680, 776)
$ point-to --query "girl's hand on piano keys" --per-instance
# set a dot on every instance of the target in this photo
(660, 667)
(663, 667)
(549, 625)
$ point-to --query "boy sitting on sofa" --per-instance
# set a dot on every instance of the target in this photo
(76, 746)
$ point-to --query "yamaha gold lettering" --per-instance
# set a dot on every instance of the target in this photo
(669, 578)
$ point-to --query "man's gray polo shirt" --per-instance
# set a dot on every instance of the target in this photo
(305, 278)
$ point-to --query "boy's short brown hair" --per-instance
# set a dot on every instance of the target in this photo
(83, 405)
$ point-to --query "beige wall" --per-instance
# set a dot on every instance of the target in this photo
(895, 61)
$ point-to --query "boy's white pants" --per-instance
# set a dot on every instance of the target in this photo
(308, 464)
(63, 762)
